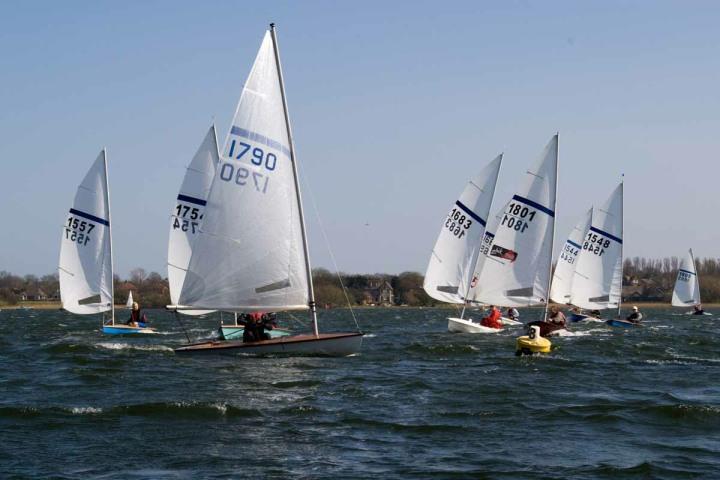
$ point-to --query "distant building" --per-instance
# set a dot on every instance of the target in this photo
(33, 295)
(379, 292)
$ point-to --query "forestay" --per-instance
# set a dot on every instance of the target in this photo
(189, 212)
(515, 267)
(448, 274)
(560, 291)
(249, 253)
(597, 283)
(85, 267)
(687, 284)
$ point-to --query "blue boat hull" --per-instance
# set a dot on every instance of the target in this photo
(127, 330)
(232, 332)
(576, 317)
(622, 323)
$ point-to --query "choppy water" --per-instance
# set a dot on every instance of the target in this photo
(417, 403)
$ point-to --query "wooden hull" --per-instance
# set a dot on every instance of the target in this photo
(458, 325)
(233, 332)
(126, 330)
(326, 344)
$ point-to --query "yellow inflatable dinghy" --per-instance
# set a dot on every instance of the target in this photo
(532, 343)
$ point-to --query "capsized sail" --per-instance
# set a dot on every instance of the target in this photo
(248, 254)
(560, 291)
(448, 274)
(687, 285)
(515, 269)
(597, 283)
(188, 214)
(85, 267)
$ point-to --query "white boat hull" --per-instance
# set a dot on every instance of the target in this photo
(509, 321)
(326, 344)
(458, 325)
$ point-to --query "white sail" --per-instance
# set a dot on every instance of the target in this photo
(515, 270)
(130, 301)
(597, 284)
(85, 267)
(248, 255)
(687, 285)
(560, 291)
(449, 273)
(188, 214)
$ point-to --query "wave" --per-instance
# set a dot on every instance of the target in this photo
(128, 346)
(441, 349)
(175, 409)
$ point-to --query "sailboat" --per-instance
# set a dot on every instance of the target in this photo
(513, 268)
(185, 222)
(449, 273)
(251, 252)
(597, 280)
(561, 289)
(86, 267)
(687, 286)
(129, 303)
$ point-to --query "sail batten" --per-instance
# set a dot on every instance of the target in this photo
(449, 273)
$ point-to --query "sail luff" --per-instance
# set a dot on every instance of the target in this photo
(552, 235)
(561, 287)
(112, 268)
(622, 235)
(308, 269)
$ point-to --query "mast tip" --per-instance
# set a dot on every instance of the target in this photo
(272, 25)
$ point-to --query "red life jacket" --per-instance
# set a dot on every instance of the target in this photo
(492, 320)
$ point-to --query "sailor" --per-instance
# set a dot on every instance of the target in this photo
(698, 310)
(595, 314)
(250, 332)
(512, 313)
(493, 319)
(556, 316)
(137, 317)
(635, 316)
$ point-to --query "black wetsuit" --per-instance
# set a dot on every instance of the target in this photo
(634, 317)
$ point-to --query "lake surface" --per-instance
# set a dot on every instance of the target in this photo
(418, 402)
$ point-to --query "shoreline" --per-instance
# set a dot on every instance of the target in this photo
(626, 306)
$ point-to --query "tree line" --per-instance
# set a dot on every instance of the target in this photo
(643, 280)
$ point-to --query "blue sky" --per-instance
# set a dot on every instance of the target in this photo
(394, 106)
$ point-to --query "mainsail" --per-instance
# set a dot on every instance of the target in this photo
(597, 283)
(449, 272)
(687, 284)
(515, 268)
(188, 214)
(561, 289)
(85, 268)
(249, 253)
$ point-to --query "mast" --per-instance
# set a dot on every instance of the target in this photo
(112, 269)
(311, 292)
(552, 237)
(622, 236)
(697, 277)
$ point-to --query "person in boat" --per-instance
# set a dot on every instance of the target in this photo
(556, 316)
(256, 324)
(493, 319)
(137, 317)
(698, 310)
(635, 316)
(512, 313)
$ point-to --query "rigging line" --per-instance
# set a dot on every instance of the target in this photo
(327, 245)
(177, 317)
